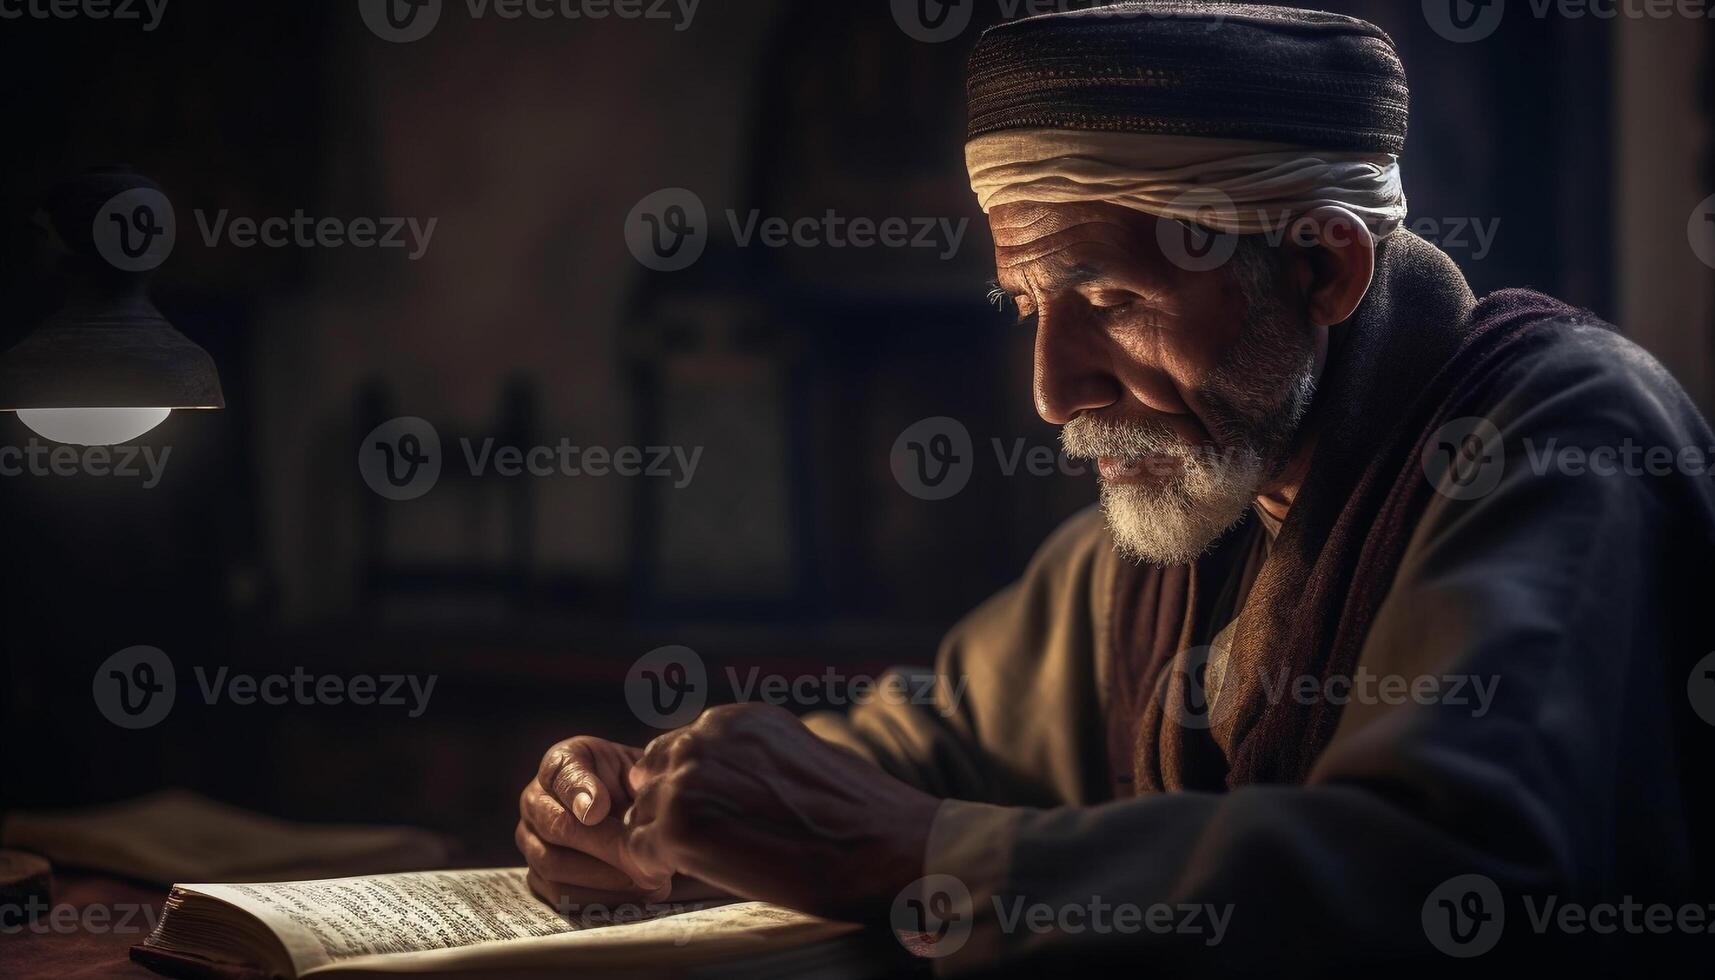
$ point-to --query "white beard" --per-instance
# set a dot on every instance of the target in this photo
(1174, 523)
(1200, 492)
(1197, 493)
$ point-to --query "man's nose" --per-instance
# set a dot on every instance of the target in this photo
(1074, 367)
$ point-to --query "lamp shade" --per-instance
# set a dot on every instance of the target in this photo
(119, 360)
(107, 347)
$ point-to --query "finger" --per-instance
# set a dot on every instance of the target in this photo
(645, 841)
(604, 841)
(645, 800)
(655, 760)
(567, 898)
(568, 866)
(651, 852)
(555, 825)
(569, 771)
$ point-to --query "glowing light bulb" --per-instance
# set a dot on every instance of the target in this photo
(92, 426)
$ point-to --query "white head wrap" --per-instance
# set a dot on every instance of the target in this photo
(1239, 186)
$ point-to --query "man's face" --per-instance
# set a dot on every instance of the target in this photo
(1186, 387)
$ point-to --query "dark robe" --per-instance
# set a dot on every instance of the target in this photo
(1330, 828)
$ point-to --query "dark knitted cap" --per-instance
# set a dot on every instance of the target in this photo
(1190, 68)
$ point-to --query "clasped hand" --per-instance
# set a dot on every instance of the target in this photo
(746, 801)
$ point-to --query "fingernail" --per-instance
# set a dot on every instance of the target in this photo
(581, 805)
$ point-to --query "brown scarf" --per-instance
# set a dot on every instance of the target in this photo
(1419, 352)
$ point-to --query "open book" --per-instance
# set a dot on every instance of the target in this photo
(455, 922)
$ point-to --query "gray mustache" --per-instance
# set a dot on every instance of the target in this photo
(1087, 437)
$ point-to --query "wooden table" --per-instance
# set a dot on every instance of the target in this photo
(88, 932)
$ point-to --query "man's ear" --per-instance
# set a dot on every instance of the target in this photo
(1339, 263)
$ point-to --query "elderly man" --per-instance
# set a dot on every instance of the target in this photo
(1355, 664)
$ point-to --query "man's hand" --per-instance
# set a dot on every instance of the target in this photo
(570, 832)
(749, 800)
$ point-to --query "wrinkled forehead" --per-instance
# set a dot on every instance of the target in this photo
(1080, 234)
(1024, 223)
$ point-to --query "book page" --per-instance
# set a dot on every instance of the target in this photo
(369, 922)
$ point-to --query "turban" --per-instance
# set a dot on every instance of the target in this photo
(1238, 117)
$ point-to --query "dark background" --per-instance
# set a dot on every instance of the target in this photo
(528, 320)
